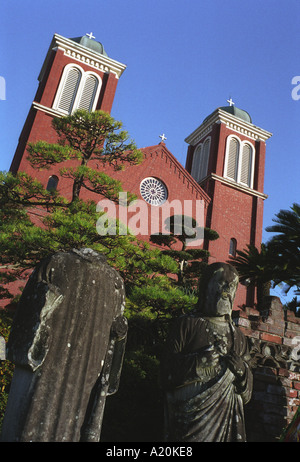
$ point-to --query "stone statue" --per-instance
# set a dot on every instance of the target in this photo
(67, 342)
(205, 372)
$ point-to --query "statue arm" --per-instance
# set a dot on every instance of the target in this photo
(119, 336)
(237, 362)
(244, 386)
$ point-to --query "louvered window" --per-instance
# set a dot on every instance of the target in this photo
(87, 96)
(77, 90)
(239, 162)
(232, 159)
(246, 163)
(69, 90)
(196, 163)
(204, 160)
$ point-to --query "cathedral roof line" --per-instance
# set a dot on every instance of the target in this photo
(161, 150)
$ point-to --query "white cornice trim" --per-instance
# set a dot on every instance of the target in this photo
(202, 130)
(235, 185)
(232, 122)
(47, 110)
(84, 55)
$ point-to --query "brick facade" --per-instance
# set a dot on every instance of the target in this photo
(233, 211)
(38, 122)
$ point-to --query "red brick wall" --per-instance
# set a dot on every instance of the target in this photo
(38, 124)
(160, 163)
(233, 213)
(274, 344)
(52, 78)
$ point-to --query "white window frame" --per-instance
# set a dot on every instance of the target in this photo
(251, 166)
(196, 161)
(238, 167)
(81, 87)
(199, 168)
(229, 138)
(84, 76)
(204, 161)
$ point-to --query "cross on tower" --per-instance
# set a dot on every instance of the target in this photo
(163, 137)
(231, 103)
(90, 35)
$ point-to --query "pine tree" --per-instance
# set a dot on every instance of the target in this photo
(191, 261)
(36, 222)
(91, 140)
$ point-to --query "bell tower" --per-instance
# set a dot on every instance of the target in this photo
(226, 156)
(76, 74)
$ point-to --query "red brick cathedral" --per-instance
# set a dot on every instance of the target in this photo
(225, 156)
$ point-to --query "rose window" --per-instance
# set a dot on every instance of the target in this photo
(153, 191)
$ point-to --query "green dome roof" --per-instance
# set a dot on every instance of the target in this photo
(87, 42)
(237, 113)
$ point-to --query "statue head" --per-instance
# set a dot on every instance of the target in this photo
(217, 289)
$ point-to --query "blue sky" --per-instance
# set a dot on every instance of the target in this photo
(184, 59)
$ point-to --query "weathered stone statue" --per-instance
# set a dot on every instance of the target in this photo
(205, 373)
(67, 342)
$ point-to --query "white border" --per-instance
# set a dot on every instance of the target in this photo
(84, 76)
(82, 54)
(232, 122)
(241, 144)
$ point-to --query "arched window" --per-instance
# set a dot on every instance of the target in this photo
(88, 92)
(68, 90)
(246, 165)
(153, 191)
(239, 161)
(232, 247)
(77, 90)
(196, 162)
(52, 183)
(231, 167)
(200, 160)
(204, 159)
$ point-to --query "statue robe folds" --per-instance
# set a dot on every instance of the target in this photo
(203, 402)
(67, 334)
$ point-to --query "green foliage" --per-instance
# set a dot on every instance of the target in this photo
(254, 264)
(159, 284)
(44, 155)
(286, 245)
(278, 261)
(6, 367)
(21, 190)
(256, 268)
(293, 305)
(162, 299)
(86, 136)
(190, 261)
